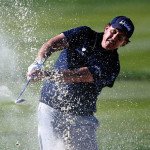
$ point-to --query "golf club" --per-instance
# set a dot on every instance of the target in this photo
(19, 100)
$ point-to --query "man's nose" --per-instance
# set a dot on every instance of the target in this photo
(115, 37)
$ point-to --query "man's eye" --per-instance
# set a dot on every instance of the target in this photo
(113, 31)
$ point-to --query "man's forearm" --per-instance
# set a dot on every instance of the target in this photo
(78, 75)
(54, 44)
(71, 76)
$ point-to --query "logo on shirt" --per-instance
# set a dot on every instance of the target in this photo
(83, 49)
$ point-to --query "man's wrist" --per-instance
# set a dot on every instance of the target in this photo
(39, 61)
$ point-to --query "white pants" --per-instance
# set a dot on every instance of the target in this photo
(59, 131)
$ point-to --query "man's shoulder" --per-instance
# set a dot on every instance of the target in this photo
(82, 29)
(85, 28)
(79, 29)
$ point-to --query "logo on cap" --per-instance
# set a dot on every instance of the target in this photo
(123, 22)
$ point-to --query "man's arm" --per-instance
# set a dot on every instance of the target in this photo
(78, 75)
(54, 44)
(70, 76)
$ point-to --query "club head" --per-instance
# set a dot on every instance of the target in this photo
(18, 101)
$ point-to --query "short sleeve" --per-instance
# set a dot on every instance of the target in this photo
(77, 34)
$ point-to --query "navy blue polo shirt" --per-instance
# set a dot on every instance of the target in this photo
(84, 50)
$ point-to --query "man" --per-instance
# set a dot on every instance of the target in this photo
(88, 63)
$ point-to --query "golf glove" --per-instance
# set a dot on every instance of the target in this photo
(37, 66)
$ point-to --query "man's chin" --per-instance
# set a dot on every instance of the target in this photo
(108, 47)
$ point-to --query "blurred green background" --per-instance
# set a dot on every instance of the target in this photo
(123, 111)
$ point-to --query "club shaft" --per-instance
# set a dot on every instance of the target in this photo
(24, 88)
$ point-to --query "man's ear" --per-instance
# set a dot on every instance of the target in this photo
(106, 27)
(125, 42)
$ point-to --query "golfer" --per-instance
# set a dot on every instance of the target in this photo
(87, 63)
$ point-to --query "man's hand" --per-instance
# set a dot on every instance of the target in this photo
(35, 71)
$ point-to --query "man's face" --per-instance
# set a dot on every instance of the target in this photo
(113, 38)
